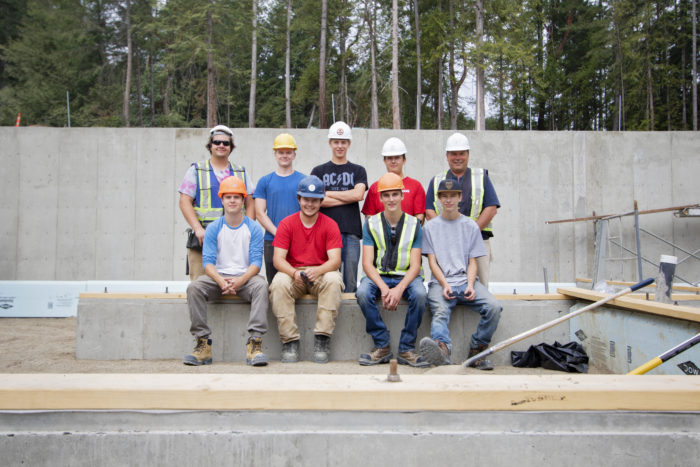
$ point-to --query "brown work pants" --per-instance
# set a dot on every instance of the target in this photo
(194, 260)
(483, 265)
(284, 291)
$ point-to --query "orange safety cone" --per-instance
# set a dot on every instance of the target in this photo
(19, 117)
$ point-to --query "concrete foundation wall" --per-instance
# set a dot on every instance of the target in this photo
(101, 203)
(121, 329)
(112, 438)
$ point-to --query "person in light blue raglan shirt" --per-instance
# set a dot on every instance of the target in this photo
(232, 258)
(276, 195)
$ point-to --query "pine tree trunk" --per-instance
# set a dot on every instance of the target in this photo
(395, 65)
(253, 67)
(374, 112)
(322, 119)
(287, 59)
(438, 104)
(480, 117)
(211, 74)
(419, 80)
(695, 68)
(127, 84)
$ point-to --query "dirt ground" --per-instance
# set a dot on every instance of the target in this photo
(47, 345)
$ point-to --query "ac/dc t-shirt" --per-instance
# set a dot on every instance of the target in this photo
(343, 177)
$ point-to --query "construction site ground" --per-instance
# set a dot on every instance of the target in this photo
(47, 345)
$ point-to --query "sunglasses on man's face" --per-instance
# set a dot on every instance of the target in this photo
(218, 142)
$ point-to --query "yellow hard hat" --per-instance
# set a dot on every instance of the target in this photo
(389, 181)
(232, 185)
(284, 141)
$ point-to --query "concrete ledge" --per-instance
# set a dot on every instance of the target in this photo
(348, 392)
(333, 438)
(120, 327)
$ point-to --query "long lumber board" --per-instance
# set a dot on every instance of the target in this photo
(673, 311)
(682, 288)
(348, 392)
(344, 296)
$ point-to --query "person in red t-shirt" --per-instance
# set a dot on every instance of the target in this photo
(394, 153)
(307, 258)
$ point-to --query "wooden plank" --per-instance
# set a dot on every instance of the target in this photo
(132, 296)
(608, 216)
(673, 311)
(678, 297)
(345, 296)
(531, 297)
(149, 296)
(682, 288)
(347, 392)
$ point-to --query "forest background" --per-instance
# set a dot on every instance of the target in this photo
(535, 64)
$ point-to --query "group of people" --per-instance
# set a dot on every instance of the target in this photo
(312, 239)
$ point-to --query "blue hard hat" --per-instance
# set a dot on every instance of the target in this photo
(311, 187)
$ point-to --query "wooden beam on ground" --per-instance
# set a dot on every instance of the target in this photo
(564, 392)
(681, 288)
(673, 311)
(344, 296)
(181, 295)
(606, 216)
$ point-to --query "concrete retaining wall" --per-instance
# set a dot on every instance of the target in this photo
(291, 438)
(117, 329)
(101, 203)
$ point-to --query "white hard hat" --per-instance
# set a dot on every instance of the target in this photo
(457, 142)
(393, 147)
(339, 130)
(221, 130)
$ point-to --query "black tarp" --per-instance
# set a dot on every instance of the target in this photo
(569, 357)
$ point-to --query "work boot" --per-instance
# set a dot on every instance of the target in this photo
(376, 356)
(201, 354)
(254, 354)
(290, 352)
(321, 348)
(482, 363)
(410, 357)
(434, 352)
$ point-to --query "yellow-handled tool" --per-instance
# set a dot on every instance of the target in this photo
(669, 354)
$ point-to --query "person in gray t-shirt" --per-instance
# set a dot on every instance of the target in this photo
(452, 243)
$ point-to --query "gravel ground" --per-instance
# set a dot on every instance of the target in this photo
(47, 345)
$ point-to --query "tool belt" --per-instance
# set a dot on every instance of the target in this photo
(193, 241)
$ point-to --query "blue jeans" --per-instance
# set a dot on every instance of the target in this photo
(367, 295)
(484, 303)
(349, 257)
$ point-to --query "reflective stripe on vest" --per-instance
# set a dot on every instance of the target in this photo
(477, 194)
(398, 261)
(207, 204)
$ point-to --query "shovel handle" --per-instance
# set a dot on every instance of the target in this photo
(641, 284)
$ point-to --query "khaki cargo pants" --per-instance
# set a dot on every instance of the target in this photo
(283, 293)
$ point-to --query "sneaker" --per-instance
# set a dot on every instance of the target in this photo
(290, 352)
(410, 357)
(376, 356)
(482, 363)
(254, 353)
(321, 351)
(434, 352)
(201, 355)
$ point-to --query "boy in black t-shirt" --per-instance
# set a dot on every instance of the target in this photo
(346, 184)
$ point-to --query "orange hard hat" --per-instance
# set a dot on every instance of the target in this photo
(232, 185)
(389, 181)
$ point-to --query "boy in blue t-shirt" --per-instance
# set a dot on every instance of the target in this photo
(276, 195)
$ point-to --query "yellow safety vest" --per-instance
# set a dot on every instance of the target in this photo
(477, 195)
(207, 205)
(397, 261)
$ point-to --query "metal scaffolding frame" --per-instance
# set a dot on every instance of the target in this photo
(603, 238)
